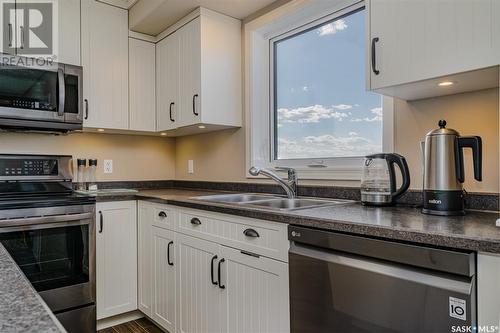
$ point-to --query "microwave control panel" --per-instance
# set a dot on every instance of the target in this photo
(28, 167)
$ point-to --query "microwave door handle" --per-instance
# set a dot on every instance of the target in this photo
(62, 92)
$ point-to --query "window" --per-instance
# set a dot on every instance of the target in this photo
(306, 101)
(321, 108)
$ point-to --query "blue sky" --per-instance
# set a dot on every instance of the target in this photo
(323, 107)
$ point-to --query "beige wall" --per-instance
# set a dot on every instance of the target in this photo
(134, 157)
(220, 156)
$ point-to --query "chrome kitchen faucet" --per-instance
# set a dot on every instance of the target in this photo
(289, 185)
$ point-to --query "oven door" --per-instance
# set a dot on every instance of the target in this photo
(57, 255)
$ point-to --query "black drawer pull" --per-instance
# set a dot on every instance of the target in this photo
(221, 286)
(168, 253)
(162, 214)
(194, 105)
(374, 54)
(251, 233)
(212, 271)
(195, 221)
(170, 111)
(100, 221)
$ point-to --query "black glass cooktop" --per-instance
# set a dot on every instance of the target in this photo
(35, 201)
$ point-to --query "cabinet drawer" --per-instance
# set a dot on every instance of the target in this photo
(260, 237)
(164, 217)
(159, 215)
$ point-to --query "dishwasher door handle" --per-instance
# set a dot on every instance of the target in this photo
(394, 271)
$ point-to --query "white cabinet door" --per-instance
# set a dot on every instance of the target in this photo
(164, 278)
(142, 85)
(190, 68)
(145, 258)
(423, 39)
(167, 83)
(199, 301)
(488, 289)
(256, 293)
(116, 258)
(105, 65)
(69, 32)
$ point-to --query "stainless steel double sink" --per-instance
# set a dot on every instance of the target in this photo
(267, 201)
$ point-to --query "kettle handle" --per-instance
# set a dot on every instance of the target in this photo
(405, 172)
(475, 143)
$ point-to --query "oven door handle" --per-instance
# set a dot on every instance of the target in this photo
(62, 92)
(31, 221)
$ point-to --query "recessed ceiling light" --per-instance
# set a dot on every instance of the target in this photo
(445, 83)
(202, 126)
(100, 130)
(163, 134)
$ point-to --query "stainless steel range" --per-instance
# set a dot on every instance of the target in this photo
(50, 233)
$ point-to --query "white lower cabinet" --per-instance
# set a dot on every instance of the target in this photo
(256, 293)
(116, 258)
(199, 298)
(144, 259)
(164, 278)
(202, 285)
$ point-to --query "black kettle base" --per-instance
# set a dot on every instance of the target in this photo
(443, 212)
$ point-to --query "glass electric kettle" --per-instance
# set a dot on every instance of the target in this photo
(378, 183)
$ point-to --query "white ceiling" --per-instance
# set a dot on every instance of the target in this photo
(153, 16)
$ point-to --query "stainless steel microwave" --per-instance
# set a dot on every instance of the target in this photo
(36, 94)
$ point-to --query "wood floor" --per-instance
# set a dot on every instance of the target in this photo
(142, 325)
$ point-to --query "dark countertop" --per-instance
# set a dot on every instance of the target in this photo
(21, 308)
(475, 231)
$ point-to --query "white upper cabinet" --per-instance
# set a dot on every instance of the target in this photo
(199, 75)
(167, 83)
(415, 40)
(190, 67)
(142, 85)
(105, 65)
(69, 32)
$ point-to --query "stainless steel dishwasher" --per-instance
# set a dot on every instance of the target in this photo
(345, 283)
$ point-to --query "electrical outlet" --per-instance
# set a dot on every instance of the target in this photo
(190, 166)
(108, 166)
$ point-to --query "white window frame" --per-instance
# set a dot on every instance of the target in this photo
(291, 18)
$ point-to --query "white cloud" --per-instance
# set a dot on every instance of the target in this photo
(342, 107)
(305, 88)
(377, 116)
(309, 114)
(327, 146)
(332, 28)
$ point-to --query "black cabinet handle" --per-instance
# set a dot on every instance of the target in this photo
(168, 253)
(374, 59)
(212, 271)
(195, 221)
(194, 105)
(221, 286)
(251, 233)
(86, 109)
(162, 214)
(170, 112)
(100, 221)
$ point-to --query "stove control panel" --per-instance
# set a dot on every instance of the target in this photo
(28, 167)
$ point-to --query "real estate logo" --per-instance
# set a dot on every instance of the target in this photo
(29, 28)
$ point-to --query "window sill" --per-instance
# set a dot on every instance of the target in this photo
(329, 173)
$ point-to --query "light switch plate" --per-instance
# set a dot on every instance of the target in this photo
(190, 166)
(108, 166)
